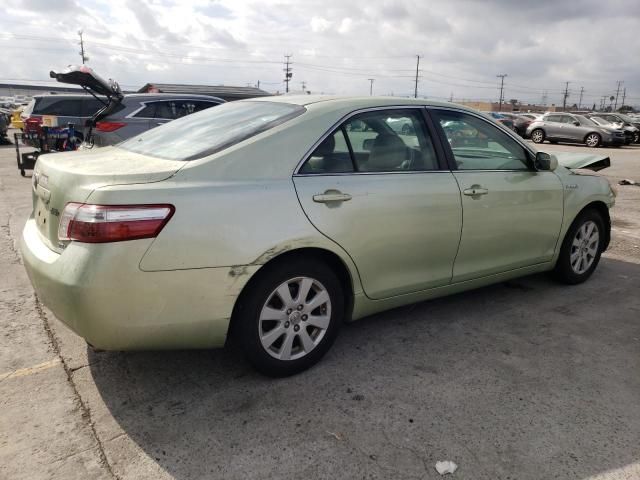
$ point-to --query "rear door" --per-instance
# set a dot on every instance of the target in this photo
(387, 198)
(511, 213)
(553, 127)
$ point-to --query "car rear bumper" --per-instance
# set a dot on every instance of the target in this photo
(99, 292)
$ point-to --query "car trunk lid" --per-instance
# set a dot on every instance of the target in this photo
(60, 178)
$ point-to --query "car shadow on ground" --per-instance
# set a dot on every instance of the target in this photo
(526, 379)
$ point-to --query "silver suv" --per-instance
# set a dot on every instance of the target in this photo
(572, 128)
(140, 112)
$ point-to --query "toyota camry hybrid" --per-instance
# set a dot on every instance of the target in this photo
(273, 221)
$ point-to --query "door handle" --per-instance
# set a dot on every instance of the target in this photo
(473, 191)
(331, 196)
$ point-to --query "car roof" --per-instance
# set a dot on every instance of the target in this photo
(355, 102)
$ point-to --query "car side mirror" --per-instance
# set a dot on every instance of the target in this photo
(545, 162)
(576, 123)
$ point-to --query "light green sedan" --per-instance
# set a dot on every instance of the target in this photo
(273, 221)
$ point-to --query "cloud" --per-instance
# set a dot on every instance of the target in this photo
(338, 45)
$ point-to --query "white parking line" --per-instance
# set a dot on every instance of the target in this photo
(30, 370)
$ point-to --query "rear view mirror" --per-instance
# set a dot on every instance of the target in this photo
(545, 162)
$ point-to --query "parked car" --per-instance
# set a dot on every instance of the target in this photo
(271, 220)
(135, 114)
(532, 116)
(520, 122)
(500, 118)
(566, 127)
(622, 121)
(143, 111)
(631, 133)
(4, 123)
(16, 119)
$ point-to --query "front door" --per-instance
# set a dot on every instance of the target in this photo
(377, 187)
(511, 214)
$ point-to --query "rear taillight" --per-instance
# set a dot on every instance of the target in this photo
(112, 223)
(109, 126)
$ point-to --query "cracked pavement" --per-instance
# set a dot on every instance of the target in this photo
(527, 379)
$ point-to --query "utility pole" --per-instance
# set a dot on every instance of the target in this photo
(617, 93)
(415, 92)
(501, 77)
(565, 95)
(84, 57)
(371, 80)
(581, 93)
(258, 84)
(287, 72)
(624, 95)
(304, 86)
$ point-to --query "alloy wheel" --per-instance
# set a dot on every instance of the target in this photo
(537, 136)
(592, 140)
(584, 247)
(295, 318)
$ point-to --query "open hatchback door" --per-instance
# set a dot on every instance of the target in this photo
(95, 85)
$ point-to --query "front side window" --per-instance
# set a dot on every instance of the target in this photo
(211, 130)
(377, 141)
(476, 144)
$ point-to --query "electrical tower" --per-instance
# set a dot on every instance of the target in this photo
(565, 95)
(371, 80)
(581, 93)
(501, 77)
(415, 91)
(287, 72)
(85, 58)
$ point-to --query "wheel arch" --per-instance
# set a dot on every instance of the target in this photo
(603, 210)
(333, 260)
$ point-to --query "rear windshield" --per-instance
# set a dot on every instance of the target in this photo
(211, 130)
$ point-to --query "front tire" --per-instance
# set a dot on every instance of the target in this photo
(581, 249)
(290, 317)
(592, 140)
(537, 136)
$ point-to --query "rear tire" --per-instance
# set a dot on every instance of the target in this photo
(538, 136)
(593, 140)
(581, 248)
(290, 317)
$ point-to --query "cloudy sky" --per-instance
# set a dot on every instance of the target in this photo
(337, 45)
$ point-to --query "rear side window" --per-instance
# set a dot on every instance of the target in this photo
(148, 111)
(69, 107)
(211, 130)
(90, 106)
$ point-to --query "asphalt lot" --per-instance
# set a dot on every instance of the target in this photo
(522, 380)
